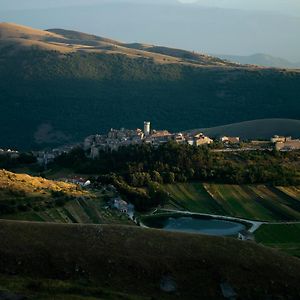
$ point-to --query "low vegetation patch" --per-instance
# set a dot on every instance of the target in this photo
(285, 237)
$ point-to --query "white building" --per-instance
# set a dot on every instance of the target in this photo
(147, 128)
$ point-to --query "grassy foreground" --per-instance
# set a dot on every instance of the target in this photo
(256, 202)
(49, 289)
(134, 261)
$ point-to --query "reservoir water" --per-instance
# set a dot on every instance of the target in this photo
(209, 226)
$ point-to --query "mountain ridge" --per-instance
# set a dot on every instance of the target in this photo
(261, 59)
(66, 41)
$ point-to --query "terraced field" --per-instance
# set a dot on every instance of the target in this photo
(84, 211)
(257, 202)
(29, 198)
(285, 237)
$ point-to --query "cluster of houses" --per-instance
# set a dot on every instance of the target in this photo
(10, 153)
(44, 157)
(122, 206)
(285, 143)
(124, 137)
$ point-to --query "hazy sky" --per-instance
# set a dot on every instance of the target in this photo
(237, 27)
(282, 6)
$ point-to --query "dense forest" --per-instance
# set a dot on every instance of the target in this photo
(139, 172)
(61, 98)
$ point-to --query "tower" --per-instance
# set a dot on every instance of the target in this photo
(147, 128)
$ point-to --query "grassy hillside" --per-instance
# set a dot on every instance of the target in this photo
(49, 289)
(264, 128)
(23, 197)
(97, 90)
(257, 202)
(285, 237)
(136, 261)
(14, 185)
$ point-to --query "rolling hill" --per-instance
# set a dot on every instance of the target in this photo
(59, 86)
(261, 59)
(263, 129)
(142, 262)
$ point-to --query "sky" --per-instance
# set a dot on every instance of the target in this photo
(281, 6)
(232, 27)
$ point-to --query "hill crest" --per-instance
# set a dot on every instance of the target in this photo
(254, 129)
(65, 41)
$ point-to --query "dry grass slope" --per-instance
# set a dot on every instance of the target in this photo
(12, 185)
(65, 41)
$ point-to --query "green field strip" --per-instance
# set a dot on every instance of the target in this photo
(63, 216)
(69, 216)
(45, 216)
(292, 191)
(25, 216)
(97, 209)
(287, 200)
(77, 212)
(236, 207)
(276, 209)
(193, 197)
(208, 200)
(252, 209)
(90, 211)
(276, 204)
(215, 192)
(195, 200)
(55, 215)
(267, 210)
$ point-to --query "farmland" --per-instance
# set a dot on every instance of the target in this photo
(285, 237)
(86, 211)
(24, 197)
(256, 202)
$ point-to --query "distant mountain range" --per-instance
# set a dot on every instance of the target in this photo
(260, 59)
(58, 86)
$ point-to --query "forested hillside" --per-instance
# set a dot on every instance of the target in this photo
(53, 97)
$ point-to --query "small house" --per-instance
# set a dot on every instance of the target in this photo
(230, 139)
(246, 235)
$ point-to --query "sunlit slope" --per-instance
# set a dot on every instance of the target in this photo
(66, 41)
(23, 185)
(24, 197)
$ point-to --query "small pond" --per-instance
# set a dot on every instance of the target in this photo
(196, 224)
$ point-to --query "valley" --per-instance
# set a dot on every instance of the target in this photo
(203, 202)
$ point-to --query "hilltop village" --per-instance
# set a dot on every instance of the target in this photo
(117, 138)
(125, 137)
